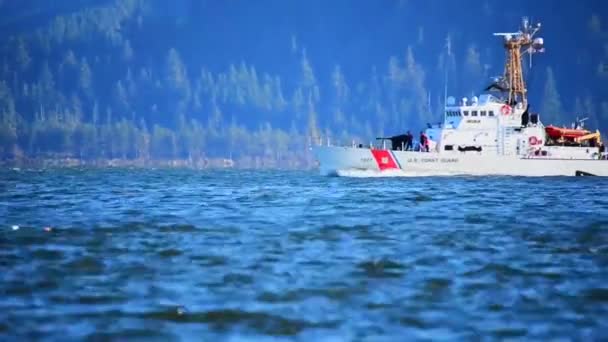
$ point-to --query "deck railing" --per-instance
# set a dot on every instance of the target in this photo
(335, 142)
(329, 141)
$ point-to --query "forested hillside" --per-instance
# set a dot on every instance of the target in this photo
(257, 80)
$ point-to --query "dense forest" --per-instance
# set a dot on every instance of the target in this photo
(258, 81)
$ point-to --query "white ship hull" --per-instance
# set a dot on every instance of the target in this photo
(335, 160)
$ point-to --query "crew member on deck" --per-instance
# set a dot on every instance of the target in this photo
(424, 142)
(409, 138)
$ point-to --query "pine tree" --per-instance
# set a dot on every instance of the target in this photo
(340, 95)
(280, 101)
(419, 107)
(395, 75)
(8, 112)
(590, 112)
(77, 112)
(46, 79)
(121, 98)
(551, 107)
(308, 76)
(70, 58)
(215, 119)
(298, 103)
(95, 113)
(177, 80)
(308, 79)
(127, 51)
(604, 116)
(578, 106)
(23, 56)
(473, 69)
(85, 81)
(176, 76)
(595, 24)
(313, 130)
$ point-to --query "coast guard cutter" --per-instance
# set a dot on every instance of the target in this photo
(493, 134)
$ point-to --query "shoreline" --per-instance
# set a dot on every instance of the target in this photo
(199, 164)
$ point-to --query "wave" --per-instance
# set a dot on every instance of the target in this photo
(360, 173)
(357, 173)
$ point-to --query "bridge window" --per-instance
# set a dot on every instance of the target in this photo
(465, 113)
(474, 113)
(483, 113)
(491, 113)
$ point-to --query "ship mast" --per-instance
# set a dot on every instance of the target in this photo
(517, 44)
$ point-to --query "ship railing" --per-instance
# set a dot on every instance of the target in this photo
(380, 143)
(337, 142)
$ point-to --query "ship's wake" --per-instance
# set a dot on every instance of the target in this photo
(359, 173)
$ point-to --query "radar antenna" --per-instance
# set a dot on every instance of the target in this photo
(517, 44)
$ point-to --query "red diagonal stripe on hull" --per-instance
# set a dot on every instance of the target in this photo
(384, 160)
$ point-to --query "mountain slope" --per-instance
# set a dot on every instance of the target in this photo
(151, 79)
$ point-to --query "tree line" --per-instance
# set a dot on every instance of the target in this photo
(86, 86)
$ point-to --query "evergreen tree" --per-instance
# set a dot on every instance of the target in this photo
(419, 108)
(578, 106)
(340, 96)
(23, 56)
(46, 79)
(595, 24)
(177, 80)
(551, 107)
(127, 51)
(176, 76)
(473, 70)
(308, 80)
(121, 99)
(280, 101)
(76, 110)
(590, 112)
(313, 130)
(308, 76)
(395, 75)
(85, 81)
(604, 116)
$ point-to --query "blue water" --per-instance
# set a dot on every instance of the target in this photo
(222, 255)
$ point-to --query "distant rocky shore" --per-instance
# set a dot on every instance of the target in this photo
(204, 163)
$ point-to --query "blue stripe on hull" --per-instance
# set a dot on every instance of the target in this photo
(395, 159)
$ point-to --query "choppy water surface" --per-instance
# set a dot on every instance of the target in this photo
(211, 255)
